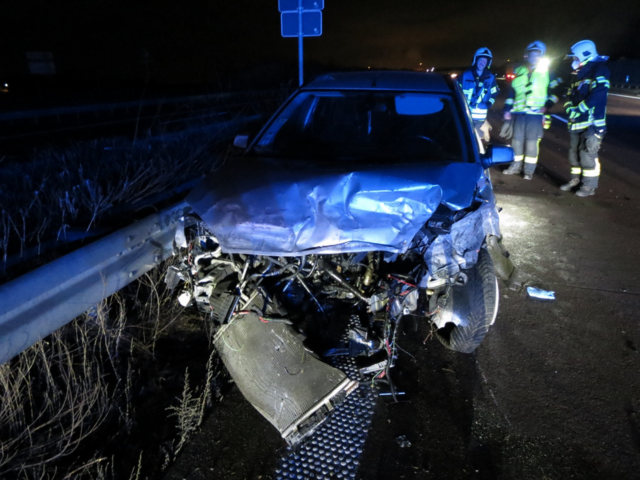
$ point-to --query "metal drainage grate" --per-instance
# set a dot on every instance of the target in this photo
(335, 449)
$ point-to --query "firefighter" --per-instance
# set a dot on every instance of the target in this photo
(586, 109)
(480, 89)
(526, 104)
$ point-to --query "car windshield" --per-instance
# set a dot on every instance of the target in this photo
(365, 125)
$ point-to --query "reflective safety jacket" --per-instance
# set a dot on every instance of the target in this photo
(480, 91)
(588, 94)
(531, 90)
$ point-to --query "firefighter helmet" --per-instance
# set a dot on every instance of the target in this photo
(483, 52)
(537, 45)
(584, 50)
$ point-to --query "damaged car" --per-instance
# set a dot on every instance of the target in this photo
(365, 199)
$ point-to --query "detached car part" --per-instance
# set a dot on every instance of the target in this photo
(284, 381)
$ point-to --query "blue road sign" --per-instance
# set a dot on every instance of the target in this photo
(292, 5)
(311, 23)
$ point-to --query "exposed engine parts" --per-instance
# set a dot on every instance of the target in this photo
(260, 307)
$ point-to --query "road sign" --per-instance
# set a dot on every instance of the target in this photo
(311, 23)
(300, 18)
(292, 5)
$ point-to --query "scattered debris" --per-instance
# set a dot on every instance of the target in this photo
(403, 442)
(541, 294)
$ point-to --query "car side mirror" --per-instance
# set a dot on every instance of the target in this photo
(497, 155)
(241, 141)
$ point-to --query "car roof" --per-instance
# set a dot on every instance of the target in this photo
(381, 80)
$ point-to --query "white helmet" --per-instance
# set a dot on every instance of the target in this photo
(537, 45)
(483, 52)
(585, 50)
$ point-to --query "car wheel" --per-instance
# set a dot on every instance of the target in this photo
(475, 303)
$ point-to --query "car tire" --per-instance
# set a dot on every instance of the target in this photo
(479, 308)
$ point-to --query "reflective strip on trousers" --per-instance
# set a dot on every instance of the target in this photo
(518, 158)
(530, 159)
(576, 170)
(592, 172)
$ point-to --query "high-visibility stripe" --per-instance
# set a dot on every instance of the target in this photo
(553, 98)
(600, 123)
(494, 90)
(530, 159)
(508, 101)
(579, 126)
(583, 107)
(492, 101)
(576, 170)
(592, 172)
(518, 158)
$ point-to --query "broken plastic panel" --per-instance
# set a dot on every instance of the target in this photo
(456, 250)
(541, 294)
(291, 388)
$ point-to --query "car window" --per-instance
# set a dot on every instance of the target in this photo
(365, 125)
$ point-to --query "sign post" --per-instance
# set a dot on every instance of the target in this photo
(300, 37)
(301, 18)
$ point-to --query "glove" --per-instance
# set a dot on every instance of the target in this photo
(573, 113)
(507, 129)
(593, 139)
(485, 129)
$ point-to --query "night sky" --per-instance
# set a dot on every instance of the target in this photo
(196, 40)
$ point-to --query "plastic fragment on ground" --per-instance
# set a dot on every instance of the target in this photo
(403, 442)
(184, 299)
(542, 294)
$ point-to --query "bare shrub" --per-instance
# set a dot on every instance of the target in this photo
(65, 395)
(73, 189)
(54, 397)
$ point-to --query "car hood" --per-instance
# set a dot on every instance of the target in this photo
(284, 208)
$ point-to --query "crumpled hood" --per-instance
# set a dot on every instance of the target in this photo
(283, 208)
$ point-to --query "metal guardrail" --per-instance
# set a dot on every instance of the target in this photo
(54, 112)
(42, 301)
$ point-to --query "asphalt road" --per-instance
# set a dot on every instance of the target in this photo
(554, 390)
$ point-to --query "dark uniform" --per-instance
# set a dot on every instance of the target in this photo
(587, 108)
(480, 92)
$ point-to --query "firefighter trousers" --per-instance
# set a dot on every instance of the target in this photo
(583, 156)
(527, 133)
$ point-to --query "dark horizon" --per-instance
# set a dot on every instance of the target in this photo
(199, 41)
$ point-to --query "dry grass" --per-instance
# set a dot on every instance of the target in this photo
(61, 193)
(69, 398)
(73, 399)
